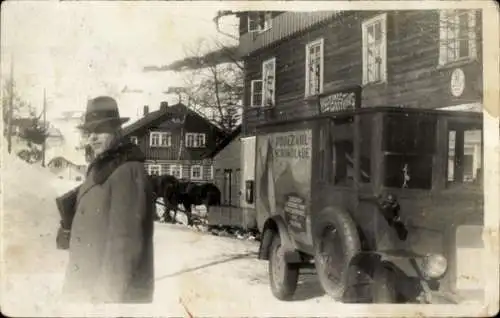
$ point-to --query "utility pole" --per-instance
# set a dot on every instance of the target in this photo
(44, 144)
(11, 107)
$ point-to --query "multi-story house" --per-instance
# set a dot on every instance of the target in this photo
(176, 141)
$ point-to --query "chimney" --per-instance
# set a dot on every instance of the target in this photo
(163, 106)
(145, 110)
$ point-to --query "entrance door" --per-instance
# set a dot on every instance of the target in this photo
(226, 193)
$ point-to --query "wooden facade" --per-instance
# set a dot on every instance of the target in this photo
(227, 168)
(415, 70)
(176, 140)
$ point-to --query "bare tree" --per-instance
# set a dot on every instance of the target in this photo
(34, 131)
(214, 88)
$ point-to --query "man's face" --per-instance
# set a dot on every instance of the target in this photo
(100, 138)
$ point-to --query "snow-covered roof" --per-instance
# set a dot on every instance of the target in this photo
(68, 152)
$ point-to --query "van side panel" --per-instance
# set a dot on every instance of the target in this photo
(247, 174)
(283, 180)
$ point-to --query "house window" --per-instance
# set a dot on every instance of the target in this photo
(268, 81)
(134, 140)
(154, 170)
(211, 172)
(176, 171)
(196, 172)
(256, 94)
(314, 68)
(374, 49)
(195, 140)
(160, 139)
(259, 21)
(457, 36)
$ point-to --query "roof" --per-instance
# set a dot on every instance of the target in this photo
(152, 117)
(225, 142)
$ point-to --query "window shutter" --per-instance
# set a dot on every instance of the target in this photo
(364, 48)
(322, 66)
(308, 70)
(256, 91)
(383, 29)
(443, 36)
(472, 35)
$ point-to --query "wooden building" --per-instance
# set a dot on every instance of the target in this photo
(227, 168)
(176, 141)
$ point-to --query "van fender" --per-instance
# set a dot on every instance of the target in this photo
(276, 226)
(400, 263)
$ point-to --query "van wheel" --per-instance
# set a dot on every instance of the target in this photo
(336, 243)
(283, 276)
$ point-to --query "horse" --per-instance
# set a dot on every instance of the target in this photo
(192, 194)
(166, 187)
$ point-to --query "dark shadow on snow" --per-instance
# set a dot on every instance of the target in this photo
(308, 286)
(192, 269)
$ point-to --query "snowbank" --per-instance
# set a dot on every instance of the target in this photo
(32, 267)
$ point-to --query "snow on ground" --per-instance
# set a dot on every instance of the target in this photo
(195, 271)
(31, 266)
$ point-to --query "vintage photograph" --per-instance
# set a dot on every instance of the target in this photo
(250, 158)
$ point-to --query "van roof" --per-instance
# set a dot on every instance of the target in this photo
(379, 109)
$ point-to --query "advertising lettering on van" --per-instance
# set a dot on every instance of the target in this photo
(293, 145)
(295, 212)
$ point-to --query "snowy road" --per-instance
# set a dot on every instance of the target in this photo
(196, 272)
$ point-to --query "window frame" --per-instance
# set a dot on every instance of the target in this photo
(156, 166)
(444, 30)
(192, 170)
(195, 140)
(253, 92)
(308, 47)
(256, 16)
(382, 19)
(272, 61)
(160, 134)
(172, 166)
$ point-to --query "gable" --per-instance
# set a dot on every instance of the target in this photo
(172, 119)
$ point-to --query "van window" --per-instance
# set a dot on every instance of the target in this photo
(408, 148)
(464, 154)
(365, 125)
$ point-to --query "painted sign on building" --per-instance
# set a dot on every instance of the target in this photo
(344, 100)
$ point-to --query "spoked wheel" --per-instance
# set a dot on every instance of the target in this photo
(283, 276)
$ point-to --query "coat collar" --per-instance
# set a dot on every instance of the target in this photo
(104, 164)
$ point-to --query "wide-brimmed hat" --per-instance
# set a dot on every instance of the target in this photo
(102, 110)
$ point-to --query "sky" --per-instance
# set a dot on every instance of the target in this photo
(75, 50)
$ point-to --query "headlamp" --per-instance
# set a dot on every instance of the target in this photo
(434, 266)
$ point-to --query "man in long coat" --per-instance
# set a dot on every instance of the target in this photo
(111, 233)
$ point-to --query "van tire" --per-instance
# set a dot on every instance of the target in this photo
(283, 280)
(336, 224)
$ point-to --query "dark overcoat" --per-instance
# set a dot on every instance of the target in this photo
(111, 246)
